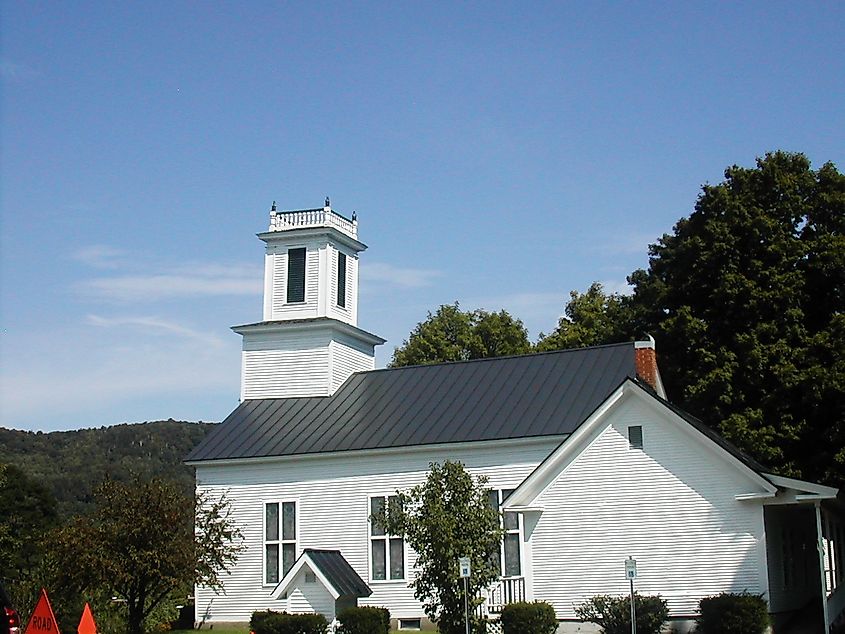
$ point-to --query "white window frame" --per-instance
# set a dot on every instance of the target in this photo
(518, 531)
(288, 249)
(337, 304)
(631, 444)
(281, 542)
(386, 539)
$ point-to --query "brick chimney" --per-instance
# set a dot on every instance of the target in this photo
(645, 362)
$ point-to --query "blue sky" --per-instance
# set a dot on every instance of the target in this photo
(498, 154)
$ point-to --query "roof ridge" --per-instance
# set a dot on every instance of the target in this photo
(502, 357)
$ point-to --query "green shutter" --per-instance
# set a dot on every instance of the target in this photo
(296, 275)
(341, 279)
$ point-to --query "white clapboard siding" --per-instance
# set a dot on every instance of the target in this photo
(349, 356)
(280, 373)
(306, 597)
(347, 313)
(280, 308)
(332, 495)
(671, 506)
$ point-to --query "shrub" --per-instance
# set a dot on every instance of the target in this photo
(364, 620)
(613, 614)
(269, 622)
(738, 613)
(529, 618)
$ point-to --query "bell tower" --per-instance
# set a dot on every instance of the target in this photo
(309, 342)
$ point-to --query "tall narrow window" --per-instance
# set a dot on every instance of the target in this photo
(296, 275)
(387, 552)
(510, 545)
(279, 539)
(341, 279)
(508, 559)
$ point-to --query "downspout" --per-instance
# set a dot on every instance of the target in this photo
(820, 548)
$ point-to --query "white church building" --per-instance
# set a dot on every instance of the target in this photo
(587, 459)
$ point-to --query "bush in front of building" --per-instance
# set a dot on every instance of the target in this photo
(613, 614)
(364, 620)
(529, 618)
(269, 622)
(733, 613)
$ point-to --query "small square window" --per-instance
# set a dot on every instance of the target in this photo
(635, 436)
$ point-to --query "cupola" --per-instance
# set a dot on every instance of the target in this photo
(309, 342)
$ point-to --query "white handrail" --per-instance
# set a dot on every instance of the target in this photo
(306, 218)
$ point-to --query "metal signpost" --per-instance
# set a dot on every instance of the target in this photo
(631, 574)
(463, 562)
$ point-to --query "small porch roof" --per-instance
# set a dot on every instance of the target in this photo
(333, 571)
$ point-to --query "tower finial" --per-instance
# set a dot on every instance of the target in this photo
(273, 208)
(328, 202)
(354, 216)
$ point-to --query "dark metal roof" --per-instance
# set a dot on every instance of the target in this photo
(488, 399)
(338, 572)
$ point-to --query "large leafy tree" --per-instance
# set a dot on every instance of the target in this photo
(448, 517)
(451, 334)
(746, 301)
(29, 512)
(145, 543)
(590, 319)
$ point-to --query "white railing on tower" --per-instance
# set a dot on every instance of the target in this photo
(306, 218)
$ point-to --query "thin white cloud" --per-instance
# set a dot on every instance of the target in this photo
(210, 281)
(388, 274)
(16, 71)
(114, 379)
(100, 256)
(153, 325)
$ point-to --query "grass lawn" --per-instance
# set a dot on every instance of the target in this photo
(217, 630)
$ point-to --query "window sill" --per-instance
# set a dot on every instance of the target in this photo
(381, 582)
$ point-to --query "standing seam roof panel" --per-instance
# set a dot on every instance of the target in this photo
(500, 398)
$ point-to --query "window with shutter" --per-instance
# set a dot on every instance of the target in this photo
(635, 436)
(341, 279)
(296, 275)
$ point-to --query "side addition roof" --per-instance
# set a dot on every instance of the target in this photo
(488, 399)
(339, 578)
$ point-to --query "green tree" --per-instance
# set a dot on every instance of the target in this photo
(146, 543)
(29, 512)
(746, 302)
(746, 299)
(447, 517)
(590, 319)
(455, 335)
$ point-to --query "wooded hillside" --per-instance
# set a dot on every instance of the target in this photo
(72, 463)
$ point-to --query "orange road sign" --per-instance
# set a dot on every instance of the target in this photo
(42, 621)
(86, 623)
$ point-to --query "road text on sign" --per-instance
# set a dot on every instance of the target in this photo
(42, 621)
